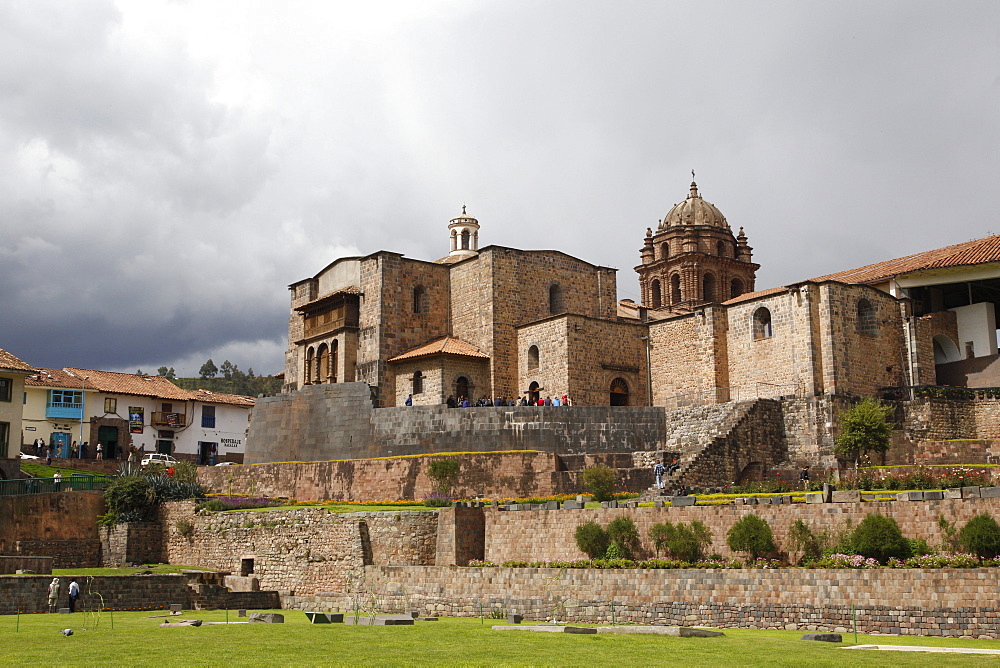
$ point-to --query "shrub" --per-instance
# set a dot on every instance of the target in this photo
(444, 474)
(600, 482)
(659, 534)
(864, 428)
(592, 539)
(751, 535)
(184, 527)
(879, 537)
(435, 501)
(683, 542)
(623, 536)
(803, 541)
(981, 536)
(130, 499)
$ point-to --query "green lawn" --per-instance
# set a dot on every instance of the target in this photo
(42, 471)
(448, 642)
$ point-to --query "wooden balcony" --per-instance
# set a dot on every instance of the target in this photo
(169, 420)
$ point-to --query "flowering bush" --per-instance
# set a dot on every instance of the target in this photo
(943, 560)
(226, 502)
(845, 561)
(916, 477)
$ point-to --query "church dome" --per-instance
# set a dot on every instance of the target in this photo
(694, 211)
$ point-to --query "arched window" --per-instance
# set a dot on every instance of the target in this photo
(735, 288)
(762, 324)
(555, 298)
(720, 249)
(664, 250)
(708, 288)
(465, 239)
(420, 300)
(675, 289)
(619, 392)
(657, 299)
(532, 357)
(322, 364)
(418, 383)
(867, 322)
(334, 360)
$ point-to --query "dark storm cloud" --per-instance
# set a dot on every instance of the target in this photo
(171, 167)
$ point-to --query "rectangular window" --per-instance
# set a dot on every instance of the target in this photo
(208, 417)
(66, 397)
(167, 408)
(4, 437)
(110, 405)
(5, 388)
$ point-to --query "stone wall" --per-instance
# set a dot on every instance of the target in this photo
(546, 535)
(62, 525)
(11, 565)
(132, 544)
(302, 550)
(64, 552)
(946, 602)
(974, 372)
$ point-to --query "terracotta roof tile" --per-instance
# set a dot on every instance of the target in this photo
(753, 295)
(977, 251)
(9, 362)
(444, 346)
(112, 382)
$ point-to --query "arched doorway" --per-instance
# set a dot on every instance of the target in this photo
(533, 392)
(619, 392)
(461, 388)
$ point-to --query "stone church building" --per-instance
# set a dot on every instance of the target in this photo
(466, 325)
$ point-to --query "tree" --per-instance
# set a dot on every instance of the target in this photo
(879, 537)
(227, 370)
(169, 374)
(444, 473)
(623, 536)
(208, 369)
(864, 428)
(600, 481)
(751, 535)
(592, 539)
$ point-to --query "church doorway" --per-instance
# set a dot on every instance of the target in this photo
(619, 392)
(462, 388)
(533, 393)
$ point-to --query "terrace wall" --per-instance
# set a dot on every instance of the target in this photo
(947, 602)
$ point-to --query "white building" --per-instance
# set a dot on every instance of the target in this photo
(120, 411)
(12, 374)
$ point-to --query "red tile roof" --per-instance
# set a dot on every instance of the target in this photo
(747, 296)
(977, 251)
(9, 362)
(444, 346)
(112, 382)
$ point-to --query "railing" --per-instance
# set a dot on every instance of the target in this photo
(70, 483)
(61, 409)
(169, 420)
(721, 395)
(908, 392)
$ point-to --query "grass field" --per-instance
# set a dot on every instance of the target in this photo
(127, 639)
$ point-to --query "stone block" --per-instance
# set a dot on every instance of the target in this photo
(680, 501)
(176, 607)
(514, 618)
(676, 631)
(551, 505)
(584, 498)
(971, 493)
(814, 497)
(828, 491)
(64, 611)
(572, 505)
(990, 492)
(953, 493)
(658, 503)
(764, 500)
(379, 620)
(267, 618)
(325, 617)
(846, 496)
(933, 496)
(910, 496)
(241, 612)
(824, 637)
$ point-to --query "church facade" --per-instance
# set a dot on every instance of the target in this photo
(466, 326)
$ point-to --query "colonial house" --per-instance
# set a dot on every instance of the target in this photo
(12, 374)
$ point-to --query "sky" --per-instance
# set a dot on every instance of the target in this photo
(170, 167)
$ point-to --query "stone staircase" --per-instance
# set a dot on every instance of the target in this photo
(713, 447)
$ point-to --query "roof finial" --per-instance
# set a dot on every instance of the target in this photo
(692, 175)
(694, 186)
(463, 209)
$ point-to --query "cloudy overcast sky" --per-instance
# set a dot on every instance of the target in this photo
(168, 168)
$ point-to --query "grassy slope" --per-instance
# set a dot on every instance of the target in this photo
(137, 641)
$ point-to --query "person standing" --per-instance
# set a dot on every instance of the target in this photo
(74, 593)
(100, 451)
(658, 471)
(54, 588)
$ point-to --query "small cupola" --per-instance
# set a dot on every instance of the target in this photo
(464, 232)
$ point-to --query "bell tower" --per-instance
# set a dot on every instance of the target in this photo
(693, 258)
(464, 232)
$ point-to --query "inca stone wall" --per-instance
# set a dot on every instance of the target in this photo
(946, 602)
(62, 525)
(302, 550)
(514, 535)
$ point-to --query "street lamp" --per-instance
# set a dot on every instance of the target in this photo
(83, 410)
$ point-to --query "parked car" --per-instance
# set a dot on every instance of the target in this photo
(226, 464)
(157, 458)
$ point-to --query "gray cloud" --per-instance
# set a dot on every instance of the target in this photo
(171, 167)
